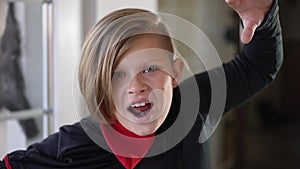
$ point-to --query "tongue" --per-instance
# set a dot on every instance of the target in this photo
(143, 108)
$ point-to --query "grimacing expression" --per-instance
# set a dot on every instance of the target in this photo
(142, 84)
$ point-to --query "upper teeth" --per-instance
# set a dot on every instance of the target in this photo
(139, 104)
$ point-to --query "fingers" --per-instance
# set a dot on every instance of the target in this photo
(248, 31)
(233, 3)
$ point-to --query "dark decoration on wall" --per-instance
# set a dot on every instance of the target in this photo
(11, 80)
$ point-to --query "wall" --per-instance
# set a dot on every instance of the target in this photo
(67, 42)
(29, 21)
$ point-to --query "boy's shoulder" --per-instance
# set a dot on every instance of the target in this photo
(70, 146)
(67, 139)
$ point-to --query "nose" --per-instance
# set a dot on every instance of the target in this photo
(137, 85)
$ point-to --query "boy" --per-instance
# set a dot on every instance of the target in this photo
(129, 79)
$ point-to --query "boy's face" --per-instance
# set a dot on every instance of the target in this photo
(143, 83)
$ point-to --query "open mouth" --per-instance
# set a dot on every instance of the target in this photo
(140, 109)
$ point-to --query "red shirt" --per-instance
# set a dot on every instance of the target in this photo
(128, 147)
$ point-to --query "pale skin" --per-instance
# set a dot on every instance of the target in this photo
(143, 85)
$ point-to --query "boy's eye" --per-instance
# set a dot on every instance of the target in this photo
(117, 75)
(150, 69)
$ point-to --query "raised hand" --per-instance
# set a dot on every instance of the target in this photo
(252, 13)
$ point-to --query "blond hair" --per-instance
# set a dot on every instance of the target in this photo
(105, 43)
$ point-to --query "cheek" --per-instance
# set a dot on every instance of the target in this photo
(164, 83)
(118, 96)
(162, 89)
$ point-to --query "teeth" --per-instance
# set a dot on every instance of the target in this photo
(139, 104)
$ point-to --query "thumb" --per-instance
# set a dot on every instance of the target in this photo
(248, 31)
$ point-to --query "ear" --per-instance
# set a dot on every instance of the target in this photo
(178, 65)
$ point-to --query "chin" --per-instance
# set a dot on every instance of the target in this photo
(141, 129)
(144, 129)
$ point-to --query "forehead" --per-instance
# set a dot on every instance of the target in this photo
(147, 46)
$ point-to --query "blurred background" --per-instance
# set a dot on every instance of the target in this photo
(264, 133)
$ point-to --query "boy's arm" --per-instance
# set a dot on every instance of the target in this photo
(249, 72)
(246, 75)
(258, 63)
